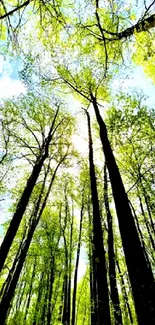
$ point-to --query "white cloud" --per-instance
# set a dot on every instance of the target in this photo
(10, 87)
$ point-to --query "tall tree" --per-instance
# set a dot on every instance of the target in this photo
(140, 273)
(99, 252)
(111, 255)
(77, 262)
(23, 201)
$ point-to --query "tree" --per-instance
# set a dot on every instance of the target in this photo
(111, 254)
(79, 49)
(99, 262)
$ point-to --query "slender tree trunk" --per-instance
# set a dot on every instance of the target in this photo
(149, 211)
(9, 292)
(21, 292)
(70, 267)
(93, 288)
(77, 264)
(101, 273)
(65, 305)
(146, 222)
(21, 207)
(147, 206)
(30, 292)
(140, 274)
(24, 200)
(141, 26)
(111, 254)
(140, 234)
(40, 289)
(44, 302)
(51, 281)
(92, 267)
(9, 276)
(125, 294)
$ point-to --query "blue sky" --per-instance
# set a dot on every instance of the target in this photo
(10, 85)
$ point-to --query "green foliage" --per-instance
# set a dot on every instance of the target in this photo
(69, 51)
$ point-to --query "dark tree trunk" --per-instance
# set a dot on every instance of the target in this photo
(9, 292)
(65, 305)
(70, 267)
(40, 290)
(17, 217)
(140, 274)
(127, 306)
(24, 200)
(6, 284)
(92, 267)
(111, 254)
(146, 222)
(93, 288)
(139, 27)
(21, 292)
(100, 263)
(44, 301)
(140, 234)
(146, 198)
(77, 264)
(51, 281)
(149, 210)
(30, 292)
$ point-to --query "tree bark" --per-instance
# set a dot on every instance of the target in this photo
(141, 26)
(101, 272)
(30, 292)
(125, 294)
(9, 292)
(77, 264)
(92, 267)
(40, 288)
(111, 255)
(140, 274)
(51, 281)
(24, 200)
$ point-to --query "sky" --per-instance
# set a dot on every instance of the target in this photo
(10, 85)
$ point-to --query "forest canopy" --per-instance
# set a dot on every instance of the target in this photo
(77, 163)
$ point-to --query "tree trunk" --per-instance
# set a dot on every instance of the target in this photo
(101, 273)
(140, 274)
(40, 289)
(111, 254)
(92, 267)
(51, 281)
(65, 305)
(30, 291)
(139, 27)
(140, 233)
(8, 294)
(146, 222)
(24, 200)
(21, 207)
(125, 294)
(70, 267)
(77, 264)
